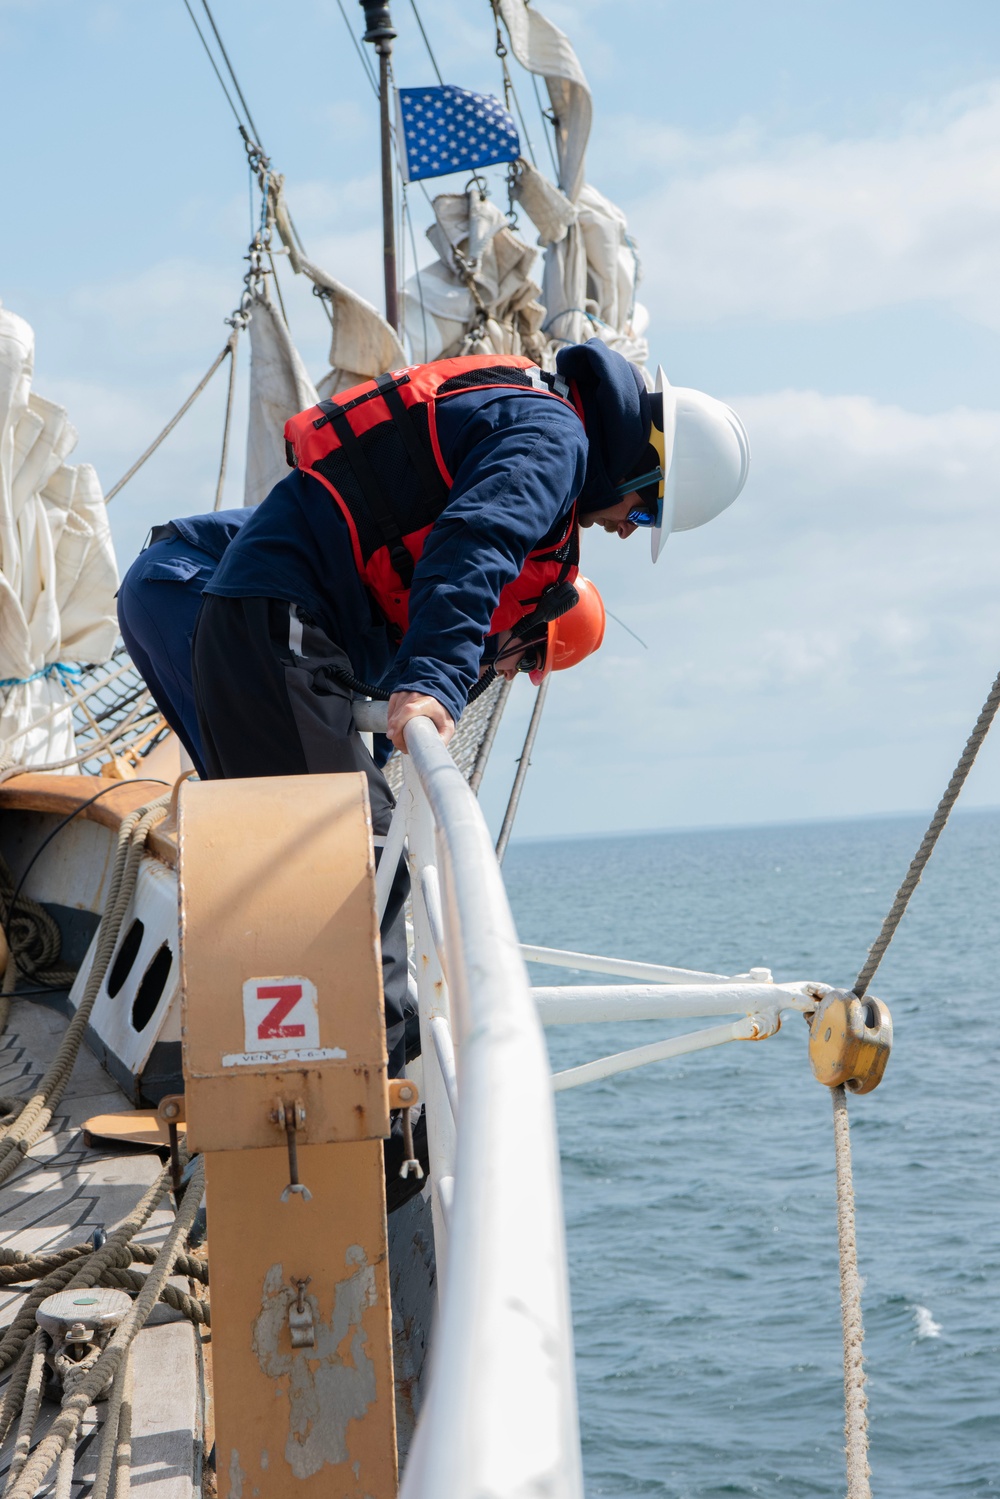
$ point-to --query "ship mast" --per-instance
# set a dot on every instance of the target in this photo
(380, 32)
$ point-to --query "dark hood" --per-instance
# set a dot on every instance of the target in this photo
(616, 414)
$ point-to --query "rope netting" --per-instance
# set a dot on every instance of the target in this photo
(476, 729)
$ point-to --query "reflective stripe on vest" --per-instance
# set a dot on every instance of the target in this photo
(375, 449)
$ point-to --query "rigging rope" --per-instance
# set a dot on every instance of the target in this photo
(106, 1265)
(170, 425)
(232, 72)
(31, 1399)
(119, 1399)
(234, 339)
(430, 49)
(930, 838)
(855, 1399)
(365, 62)
(852, 1324)
(63, 1430)
(547, 119)
(523, 765)
(215, 69)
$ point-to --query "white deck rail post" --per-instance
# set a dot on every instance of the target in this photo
(432, 995)
(500, 1418)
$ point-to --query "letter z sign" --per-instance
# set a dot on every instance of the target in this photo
(280, 1015)
(281, 1024)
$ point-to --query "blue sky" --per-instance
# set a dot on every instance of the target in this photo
(815, 191)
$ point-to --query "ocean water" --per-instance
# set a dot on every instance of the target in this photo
(699, 1193)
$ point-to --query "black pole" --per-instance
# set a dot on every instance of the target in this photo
(380, 32)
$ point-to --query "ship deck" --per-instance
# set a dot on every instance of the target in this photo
(62, 1193)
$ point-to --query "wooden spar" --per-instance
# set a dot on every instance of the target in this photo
(380, 32)
(286, 1094)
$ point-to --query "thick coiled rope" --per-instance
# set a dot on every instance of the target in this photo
(16, 1267)
(116, 1434)
(33, 937)
(82, 1266)
(63, 1432)
(116, 1253)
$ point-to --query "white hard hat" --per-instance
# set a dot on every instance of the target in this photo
(705, 455)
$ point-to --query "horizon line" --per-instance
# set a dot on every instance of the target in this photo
(733, 827)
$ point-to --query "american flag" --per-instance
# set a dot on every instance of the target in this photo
(450, 129)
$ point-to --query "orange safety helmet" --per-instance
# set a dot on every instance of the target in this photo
(576, 634)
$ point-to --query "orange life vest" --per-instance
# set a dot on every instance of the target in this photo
(375, 449)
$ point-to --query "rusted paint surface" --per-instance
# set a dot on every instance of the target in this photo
(326, 1386)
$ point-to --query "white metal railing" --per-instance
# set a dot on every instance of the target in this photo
(669, 994)
(500, 1415)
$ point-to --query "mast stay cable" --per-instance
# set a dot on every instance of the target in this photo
(365, 61)
(523, 765)
(430, 49)
(228, 349)
(215, 69)
(855, 1399)
(232, 73)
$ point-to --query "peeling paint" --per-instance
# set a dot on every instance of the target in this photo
(237, 1477)
(265, 1458)
(327, 1385)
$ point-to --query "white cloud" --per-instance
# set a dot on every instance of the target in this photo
(743, 225)
(820, 649)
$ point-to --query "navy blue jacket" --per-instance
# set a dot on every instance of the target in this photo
(519, 460)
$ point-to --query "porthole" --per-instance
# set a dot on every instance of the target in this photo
(126, 956)
(150, 991)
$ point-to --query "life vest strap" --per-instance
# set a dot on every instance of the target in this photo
(381, 510)
(428, 472)
(332, 408)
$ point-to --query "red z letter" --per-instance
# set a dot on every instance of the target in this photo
(288, 996)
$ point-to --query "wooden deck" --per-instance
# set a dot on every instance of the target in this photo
(59, 1196)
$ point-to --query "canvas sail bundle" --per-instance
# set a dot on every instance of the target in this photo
(58, 575)
(362, 345)
(479, 296)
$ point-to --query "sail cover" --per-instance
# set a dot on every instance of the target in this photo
(58, 575)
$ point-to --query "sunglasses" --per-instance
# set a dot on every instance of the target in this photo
(646, 513)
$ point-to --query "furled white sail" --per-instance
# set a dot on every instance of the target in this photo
(478, 297)
(362, 343)
(58, 575)
(542, 48)
(279, 387)
(467, 301)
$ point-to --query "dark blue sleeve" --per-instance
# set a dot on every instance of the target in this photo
(518, 464)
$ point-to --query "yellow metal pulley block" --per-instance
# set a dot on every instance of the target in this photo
(850, 1040)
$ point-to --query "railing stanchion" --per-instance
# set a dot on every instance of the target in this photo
(432, 994)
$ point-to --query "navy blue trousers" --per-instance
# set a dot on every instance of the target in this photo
(158, 603)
